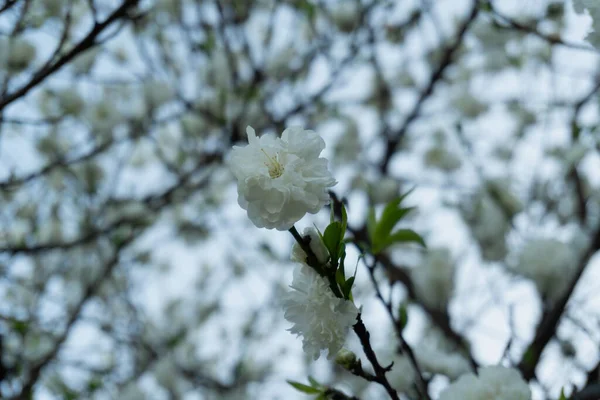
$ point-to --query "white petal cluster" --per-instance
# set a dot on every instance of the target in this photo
(322, 319)
(437, 355)
(489, 225)
(493, 383)
(593, 8)
(316, 245)
(281, 179)
(434, 278)
(549, 263)
(402, 375)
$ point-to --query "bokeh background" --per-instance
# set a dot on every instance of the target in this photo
(128, 271)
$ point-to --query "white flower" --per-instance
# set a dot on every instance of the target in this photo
(383, 190)
(440, 158)
(402, 375)
(489, 225)
(493, 383)
(500, 190)
(550, 263)
(316, 245)
(157, 93)
(437, 355)
(22, 53)
(581, 5)
(434, 278)
(321, 318)
(70, 102)
(593, 9)
(281, 179)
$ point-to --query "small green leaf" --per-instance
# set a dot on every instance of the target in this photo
(314, 383)
(371, 223)
(347, 289)
(403, 316)
(342, 251)
(562, 395)
(304, 388)
(21, 327)
(344, 220)
(388, 221)
(331, 239)
(400, 236)
(340, 278)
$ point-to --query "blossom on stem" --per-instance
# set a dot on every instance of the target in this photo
(316, 245)
(322, 319)
(281, 179)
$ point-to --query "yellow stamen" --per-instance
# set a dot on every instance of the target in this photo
(275, 167)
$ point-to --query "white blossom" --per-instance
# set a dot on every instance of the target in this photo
(383, 190)
(437, 355)
(489, 225)
(157, 93)
(21, 54)
(593, 9)
(316, 245)
(402, 375)
(281, 179)
(322, 319)
(549, 263)
(501, 191)
(70, 102)
(493, 383)
(439, 157)
(434, 278)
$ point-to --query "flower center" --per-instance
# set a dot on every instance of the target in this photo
(275, 167)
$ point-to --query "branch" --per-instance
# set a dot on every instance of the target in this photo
(550, 320)
(35, 372)
(364, 336)
(435, 77)
(85, 44)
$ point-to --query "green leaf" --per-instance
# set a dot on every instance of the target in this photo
(344, 220)
(332, 240)
(307, 8)
(400, 236)
(403, 316)
(21, 327)
(304, 388)
(342, 251)
(340, 278)
(562, 395)
(347, 288)
(388, 221)
(314, 383)
(371, 223)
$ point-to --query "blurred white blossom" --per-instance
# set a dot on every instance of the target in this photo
(492, 383)
(21, 54)
(402, 375)
(281, 179)
(383, 190)
(549, 263)
(489, 225)
(322, 319)
(436, 354)
(593, 9)
(434, 278)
